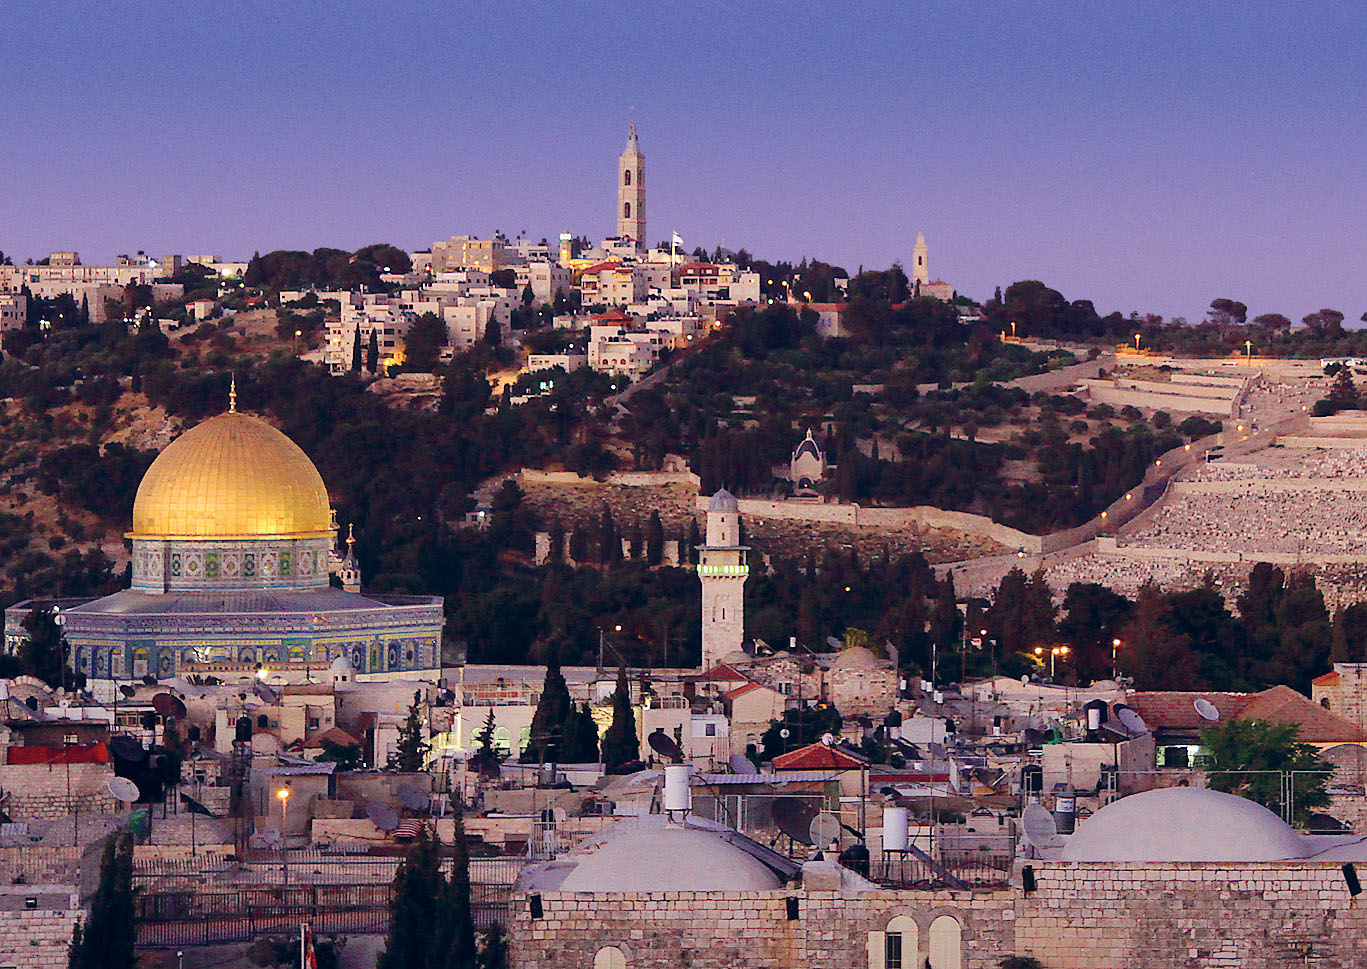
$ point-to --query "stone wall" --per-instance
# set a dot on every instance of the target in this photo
(733, 930)
(1176, 915)
(920, 516)
(36, 923)
(634, 479)
(1122, 915)
(38, 792)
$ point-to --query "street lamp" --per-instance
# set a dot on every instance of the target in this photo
(1115, 647)
(284, 795)
(1054, 653)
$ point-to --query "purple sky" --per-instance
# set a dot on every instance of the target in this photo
(1147, 156)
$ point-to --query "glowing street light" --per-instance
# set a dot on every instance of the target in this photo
(1115, 648)
(1136, 342)
(1054, 653)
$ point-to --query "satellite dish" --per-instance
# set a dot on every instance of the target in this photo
(664, 745)
(794, 816)
(265, 693)
(824, 828)
(783, 732)
(1206, 709)
(272, 838)
(1037, 821)
(169, 706)
(741, 764)
(828, 739)
(384, 817)
(936, 751)
(126, 748)
(1025, 679)
(411, 798)
(122, 789)
(1132, 722)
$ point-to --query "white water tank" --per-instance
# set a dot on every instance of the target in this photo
(895, 822)
(677, 796)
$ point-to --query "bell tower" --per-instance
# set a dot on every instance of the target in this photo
(722, 569)
(631, 192)
(920, 272)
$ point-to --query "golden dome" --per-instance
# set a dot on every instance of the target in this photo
(232, 476)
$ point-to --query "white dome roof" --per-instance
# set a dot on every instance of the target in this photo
(724, 501)
(653, 857)
(1183, 824)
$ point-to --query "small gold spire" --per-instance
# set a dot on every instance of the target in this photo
(232, 396)
(350, 535)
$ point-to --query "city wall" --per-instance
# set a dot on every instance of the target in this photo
(920, 516)
(631, 479)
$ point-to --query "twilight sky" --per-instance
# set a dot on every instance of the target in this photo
(1148, 156)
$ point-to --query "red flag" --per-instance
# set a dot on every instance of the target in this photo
(308, 957)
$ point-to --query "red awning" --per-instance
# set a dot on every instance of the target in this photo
(52, 754)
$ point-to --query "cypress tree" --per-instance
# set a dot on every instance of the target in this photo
(415, 908)
(620, 743)
(655, 539)
(410, 753)
(548, 722)
(458, 924)
(106, 940)
(356, 351)
(372, 354)
(44, 651)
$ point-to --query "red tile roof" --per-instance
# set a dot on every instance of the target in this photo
(1327, 679)
(818, 756)
(742, 690)
(721, 673)
(1174, 710)
(1280, 704)
(1318, 725)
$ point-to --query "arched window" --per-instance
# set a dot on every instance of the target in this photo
(626, 210)
(899, 944)
(626, 177)
(945, 943)
(1324, 702)
(610, 957)
(503, 738)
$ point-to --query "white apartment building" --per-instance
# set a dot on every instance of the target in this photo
(549, 361)
(544, 278)
(13, 311)
(614, 349)
(467, 316)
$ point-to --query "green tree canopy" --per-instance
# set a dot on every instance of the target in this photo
(1249, 758)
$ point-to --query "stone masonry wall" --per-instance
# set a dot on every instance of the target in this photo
(37, 937)
(38, 792)
(1178, 915)
(727, 930)
(1081, 916)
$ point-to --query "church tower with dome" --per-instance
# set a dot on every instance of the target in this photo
(232, 539)
(722, 569)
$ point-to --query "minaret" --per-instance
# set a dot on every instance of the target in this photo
(722, 570)
(631, 193)
(350, 571)
(920, 272)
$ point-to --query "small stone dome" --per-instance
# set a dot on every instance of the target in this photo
(341, 665)
(856, 658)
(725, 502)
(654, 857)
(1183, 824)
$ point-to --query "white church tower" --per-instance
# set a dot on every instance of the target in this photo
(920, 272)
(631, 193)
(722, 570)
